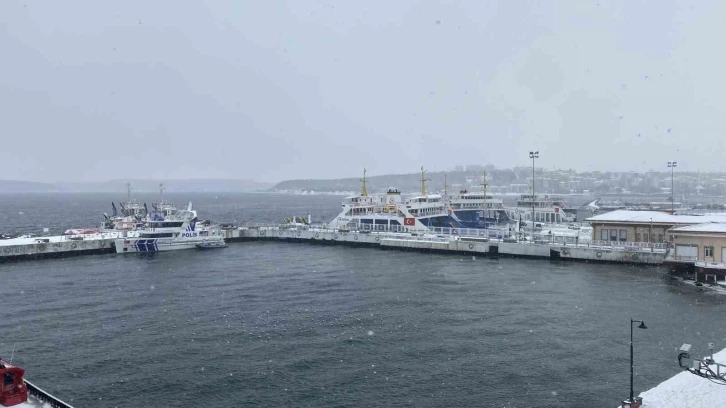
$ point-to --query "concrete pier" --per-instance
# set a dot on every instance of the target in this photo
(453, 244)
(56, 246)
(474, 242)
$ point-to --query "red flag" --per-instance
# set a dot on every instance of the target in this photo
(409, 221)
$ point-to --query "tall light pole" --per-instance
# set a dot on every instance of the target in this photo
(533, 155)
(672, 165)
(641, 326)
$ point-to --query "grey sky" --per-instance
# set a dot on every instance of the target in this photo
(269, 90)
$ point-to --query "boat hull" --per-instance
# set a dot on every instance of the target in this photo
(442, 221)
(472, 218)
(132, 245)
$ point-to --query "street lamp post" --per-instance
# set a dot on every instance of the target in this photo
(533, 155)
(672, 166)
(631, 403)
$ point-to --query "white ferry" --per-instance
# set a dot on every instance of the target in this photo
(547, 209)
(176, 230)
(391, 212)
(477, 210)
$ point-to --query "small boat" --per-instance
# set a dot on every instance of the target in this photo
(212, 245)
(178, 229)
(15, 390)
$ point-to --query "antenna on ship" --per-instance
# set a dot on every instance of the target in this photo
(364, 190)
(161, 192)
(128, 192)
(423, 181)
(445, 187)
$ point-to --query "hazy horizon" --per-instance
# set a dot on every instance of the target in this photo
(271, 91)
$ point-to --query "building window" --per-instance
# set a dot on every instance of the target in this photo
(708, 251)
(603, 235)
(637, 237)
(623, 235)
(646, 238)
(660, 238)
(614, 235)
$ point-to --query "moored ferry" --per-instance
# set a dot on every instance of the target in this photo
(548, 209)
(477, 210)
(391, 212)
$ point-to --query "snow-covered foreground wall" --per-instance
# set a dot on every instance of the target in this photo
(687, 390)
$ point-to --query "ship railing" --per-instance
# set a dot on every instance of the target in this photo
(629, 246)
(471, 232)
(427, 238)
(45, 397)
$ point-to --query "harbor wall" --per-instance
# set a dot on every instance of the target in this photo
(452, 245)
(64, 246)
(608, 255)
(525, 250)
(56, 249)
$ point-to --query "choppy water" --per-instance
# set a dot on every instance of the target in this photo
(274, 324)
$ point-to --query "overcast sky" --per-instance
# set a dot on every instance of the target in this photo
(271, 90)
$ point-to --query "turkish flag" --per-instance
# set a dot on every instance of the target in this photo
(409, 221)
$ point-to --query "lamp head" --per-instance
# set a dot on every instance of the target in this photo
(642, 325)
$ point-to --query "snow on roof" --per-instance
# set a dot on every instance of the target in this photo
(706, 227)
(687, 390)
(655, 217)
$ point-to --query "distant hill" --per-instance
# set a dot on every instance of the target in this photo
(198, 185)
(15, 186)
(194, 185)
(408, 183)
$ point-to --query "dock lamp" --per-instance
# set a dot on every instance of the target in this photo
(533, 155)
(672, 166)
(633, 402)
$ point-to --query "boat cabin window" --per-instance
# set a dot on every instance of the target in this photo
(156, 235)
(9, 379)
(166, 224)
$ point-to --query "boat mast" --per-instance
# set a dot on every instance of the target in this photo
(364, 190)
(161, 192)
(445, 187)
(484, 189)
(423, 181)
(128, 192)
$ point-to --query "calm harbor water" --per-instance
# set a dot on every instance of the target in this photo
(275, 324)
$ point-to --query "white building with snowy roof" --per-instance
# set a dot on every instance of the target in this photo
(644, 226)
